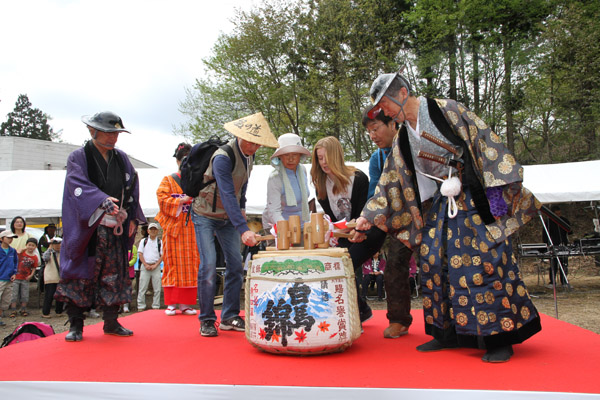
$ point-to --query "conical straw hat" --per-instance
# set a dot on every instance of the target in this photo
(253, 128)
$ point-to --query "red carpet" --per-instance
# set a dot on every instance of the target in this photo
(561, 358)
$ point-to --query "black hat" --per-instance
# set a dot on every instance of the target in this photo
(105, 121)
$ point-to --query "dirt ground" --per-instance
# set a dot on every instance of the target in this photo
(577, 306)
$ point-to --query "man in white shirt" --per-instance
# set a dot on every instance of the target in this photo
(150, 254)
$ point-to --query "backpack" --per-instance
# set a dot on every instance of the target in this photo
(195, 164)
(28, 331)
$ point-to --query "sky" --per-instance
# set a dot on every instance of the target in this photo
(133, 57)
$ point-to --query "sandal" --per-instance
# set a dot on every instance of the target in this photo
(170, 311)
(188, 311)
(24, 313)
(13, 314)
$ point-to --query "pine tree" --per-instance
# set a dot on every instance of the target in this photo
(25, 121)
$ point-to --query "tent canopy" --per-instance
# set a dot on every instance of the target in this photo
(38, 193)
(564, 183)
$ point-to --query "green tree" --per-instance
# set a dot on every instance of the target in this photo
(503, 32)
(348, 44)
(515, 26)
(435, 29)
(252, 69)
(575, 66)
(558, 117)
(306, 65)
(531, 69)
(26, 121)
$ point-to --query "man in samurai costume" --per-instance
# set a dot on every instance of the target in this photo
(100, 214)
(473, 294)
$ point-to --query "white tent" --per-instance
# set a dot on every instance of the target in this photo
(563, 183)
(38, 194)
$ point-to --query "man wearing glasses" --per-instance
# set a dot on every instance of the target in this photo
(382, 130)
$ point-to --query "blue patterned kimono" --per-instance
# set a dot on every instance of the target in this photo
(472, 287)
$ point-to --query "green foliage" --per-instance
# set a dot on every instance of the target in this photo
(559, 117)
(531, 69)
(253, 69)
(306, 65)
(25, 121)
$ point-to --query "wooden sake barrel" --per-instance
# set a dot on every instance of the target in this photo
(302, 302)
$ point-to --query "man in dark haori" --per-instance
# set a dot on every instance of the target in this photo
(100, 213)
(473, 294)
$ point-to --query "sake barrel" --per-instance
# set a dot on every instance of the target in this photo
(302, 302)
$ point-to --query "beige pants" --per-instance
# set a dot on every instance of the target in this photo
(5, 294)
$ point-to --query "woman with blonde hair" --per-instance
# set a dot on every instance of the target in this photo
(342, 192)
(340, 188)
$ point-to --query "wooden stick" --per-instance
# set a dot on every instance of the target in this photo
(265, 237)
(274, 248)
(338, 234)
(333, 251)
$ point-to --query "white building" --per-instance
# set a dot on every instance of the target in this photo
(22, 153)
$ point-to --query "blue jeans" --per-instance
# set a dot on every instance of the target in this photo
(206, 230)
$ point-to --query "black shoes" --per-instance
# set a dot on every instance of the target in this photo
(75, 331)
(74, 335)
(120, 331)
(208, 328)
(498, 355)
(435, 345)
(113, 327)
(235, 323)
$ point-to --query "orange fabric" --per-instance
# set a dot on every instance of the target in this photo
(180, 253)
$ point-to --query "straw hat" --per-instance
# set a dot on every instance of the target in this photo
(290, 143)
(255, 226)
(253, 128)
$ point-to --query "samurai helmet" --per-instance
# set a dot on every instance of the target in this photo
(380, 86)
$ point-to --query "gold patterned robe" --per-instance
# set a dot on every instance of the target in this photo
(472, 286)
